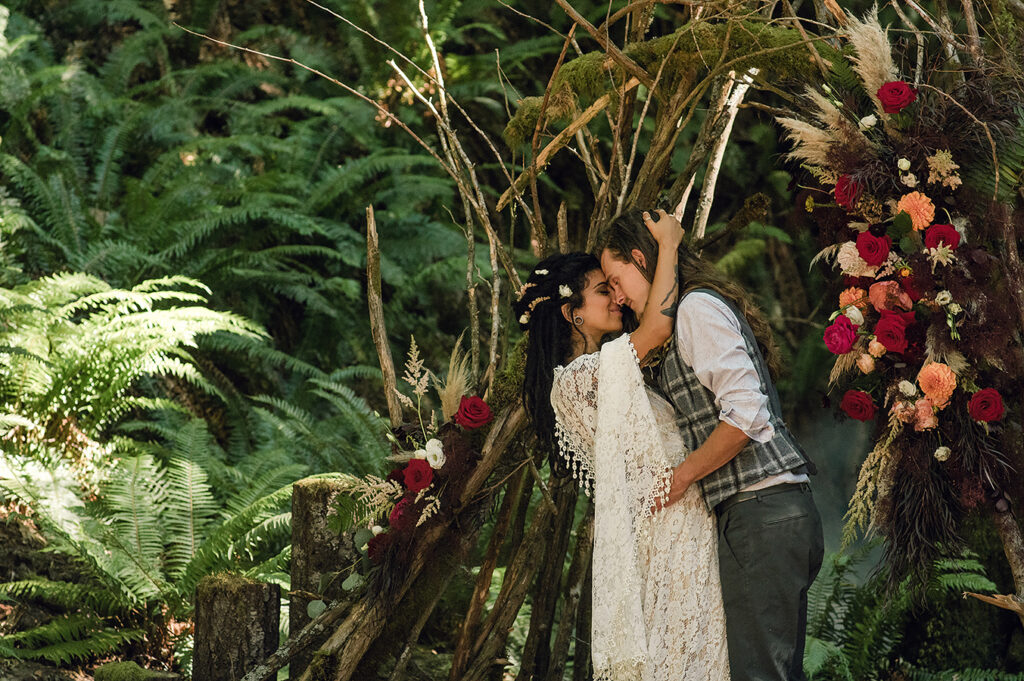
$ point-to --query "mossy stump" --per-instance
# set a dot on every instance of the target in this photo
(236, 626)
(318, 555)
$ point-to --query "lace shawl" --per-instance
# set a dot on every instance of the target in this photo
(603, 416)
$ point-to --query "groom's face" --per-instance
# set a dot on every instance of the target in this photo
(628, 284)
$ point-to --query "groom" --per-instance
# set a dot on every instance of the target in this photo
(750, 469)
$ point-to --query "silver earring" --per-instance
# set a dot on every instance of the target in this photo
(577, 320)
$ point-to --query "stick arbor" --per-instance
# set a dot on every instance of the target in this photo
(619, 110)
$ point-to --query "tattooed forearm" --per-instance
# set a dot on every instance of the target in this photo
(671, 294)
(670, 310)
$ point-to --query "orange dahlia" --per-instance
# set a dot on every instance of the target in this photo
(937, 382)
(919, 207)
(854, 296)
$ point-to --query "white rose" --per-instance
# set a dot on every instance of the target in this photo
(564, 291)
(419, 454)
(910, 179)
(942, 453)
(377, 529)
(868, 121)
(435, 454)
(944, 298)
(908, 388)
(854, 315)
(903, 164)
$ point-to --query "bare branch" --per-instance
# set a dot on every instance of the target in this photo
(631, 67)
(377, 328)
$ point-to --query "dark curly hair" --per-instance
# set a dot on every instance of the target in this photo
(549, 338)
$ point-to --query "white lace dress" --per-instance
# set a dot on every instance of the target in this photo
(657, 609)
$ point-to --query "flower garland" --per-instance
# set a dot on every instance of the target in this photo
(917, 321)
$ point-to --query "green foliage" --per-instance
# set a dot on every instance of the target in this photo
(854, 629)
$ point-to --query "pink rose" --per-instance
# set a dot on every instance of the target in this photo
(866, 363)
(889, 295)
(840, 336)
(924, 416)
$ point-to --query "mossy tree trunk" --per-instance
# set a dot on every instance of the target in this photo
(236, 626)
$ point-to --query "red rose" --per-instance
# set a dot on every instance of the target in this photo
(473, 412)
(403, 515)
(418, 475)
(858, 405)
(986, 405)
(873, 249)
(891, 329)
(937, 234)
(840, 336)
(895, 96)
(847, 191)
(378, 546)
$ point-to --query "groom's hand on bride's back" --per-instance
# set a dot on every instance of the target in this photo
(676, 491)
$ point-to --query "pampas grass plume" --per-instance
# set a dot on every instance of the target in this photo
(456, 384)
(810, 144)
(873, 59)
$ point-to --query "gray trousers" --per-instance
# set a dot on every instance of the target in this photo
(770, 549)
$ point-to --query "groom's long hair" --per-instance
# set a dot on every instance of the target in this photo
(628, 232)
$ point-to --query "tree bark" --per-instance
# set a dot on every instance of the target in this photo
(318, 554)
(236, 626)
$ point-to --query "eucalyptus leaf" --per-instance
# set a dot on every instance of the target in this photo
(314, 608)
(361, 537)
(353, 581)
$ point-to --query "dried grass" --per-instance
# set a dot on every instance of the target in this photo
(873, 54)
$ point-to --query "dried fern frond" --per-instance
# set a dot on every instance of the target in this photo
(873, 54)
(456, 383)
(810, 143)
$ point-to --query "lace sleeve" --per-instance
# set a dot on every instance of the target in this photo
(574, 401)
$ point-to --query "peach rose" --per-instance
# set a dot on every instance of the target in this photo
(854, 296)
(924, 415)
(889, 295)
(937, 382)
(876, 349)
(919, 207)
(904, 411)
(866, 363)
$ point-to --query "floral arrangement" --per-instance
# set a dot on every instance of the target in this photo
(433, 462)
(923, 330)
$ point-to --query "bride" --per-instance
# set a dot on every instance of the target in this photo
(657, 606)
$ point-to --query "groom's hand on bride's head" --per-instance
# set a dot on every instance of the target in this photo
(665, 229)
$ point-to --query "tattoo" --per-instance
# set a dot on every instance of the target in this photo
(670, 311)
(671, 293)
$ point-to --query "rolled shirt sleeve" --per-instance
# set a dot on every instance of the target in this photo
(710, 341)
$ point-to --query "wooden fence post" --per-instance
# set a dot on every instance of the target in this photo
(236, 626)
(317, 552)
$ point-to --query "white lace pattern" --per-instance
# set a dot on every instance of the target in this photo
(657, 609)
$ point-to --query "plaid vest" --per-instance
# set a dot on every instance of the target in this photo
(697, 416)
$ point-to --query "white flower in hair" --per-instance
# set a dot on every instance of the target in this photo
(524, 318)
(564, 291)
(540, 272)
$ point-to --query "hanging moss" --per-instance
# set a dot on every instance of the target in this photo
(583, 80)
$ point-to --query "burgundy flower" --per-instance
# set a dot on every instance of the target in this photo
(858, 405)
(873, 249)
(986, 405)
(473, 412)
(403, 515)
(937, 234)
(891, 330)
(378, 546)
(840, 335)
(896, 96)
(418, 475)
(847, 191)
